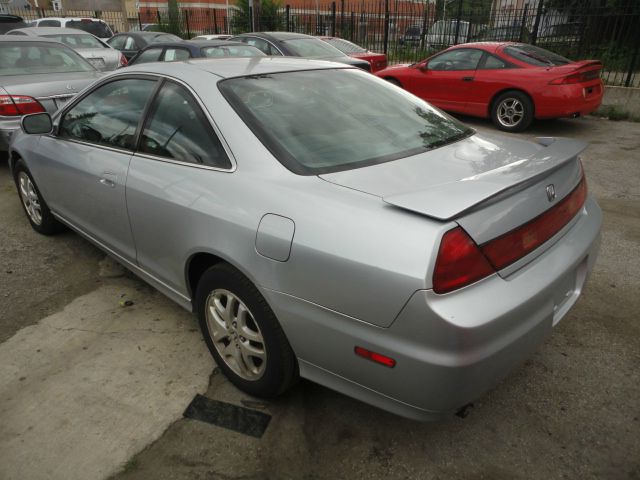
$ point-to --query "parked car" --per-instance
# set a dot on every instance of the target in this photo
(97, 52)
(290, 44)
(37, 75)
(9, 22)
(514, 33)
(321, 223)
(217, 36)
(94, 26)
(444, 33)
(132, 42)
(176, 51)
(560, 35)
(378, 61)
(511, 83)
(412, 35)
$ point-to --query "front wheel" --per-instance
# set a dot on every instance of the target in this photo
(38, 213)
(512, 111)
(243, 334)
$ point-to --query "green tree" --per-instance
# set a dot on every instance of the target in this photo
(269, 18)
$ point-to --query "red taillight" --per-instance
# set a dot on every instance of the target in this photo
(576, 78)
(508, 248)
(123, 60)
(460, 262)
(16, 105)
(375, 357)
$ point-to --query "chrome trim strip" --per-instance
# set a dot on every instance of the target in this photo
(94, 145)
(186, 164)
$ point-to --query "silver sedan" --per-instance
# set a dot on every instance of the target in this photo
(97, 52)
(321, 223)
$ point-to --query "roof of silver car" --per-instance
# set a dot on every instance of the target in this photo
(24, 38)
(236, 67)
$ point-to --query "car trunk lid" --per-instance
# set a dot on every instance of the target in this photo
(488, 185)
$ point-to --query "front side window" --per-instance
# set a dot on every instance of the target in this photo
(176, 54)
(261, 45)
(109, 115)
(330, 120)
(150, 55)
(130, 44)
(231, 51)
(117, 42)
(458, 59)
(24, 59)
(177, 129)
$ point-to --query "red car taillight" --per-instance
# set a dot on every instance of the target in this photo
(16, 105)
(576, 78)
(508, 248)
(123, 60)
(461, 261)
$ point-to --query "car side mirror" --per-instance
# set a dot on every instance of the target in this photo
(423, 67)
(37, 124)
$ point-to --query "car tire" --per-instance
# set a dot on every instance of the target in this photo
(512, 111)
(33, 204)
(243, 334)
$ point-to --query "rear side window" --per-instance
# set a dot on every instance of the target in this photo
(536, 56)
(130, 44)
(231, 51)
(109, 115)
(49, 23)
(493, 63)
(94, 27)
(178, 129)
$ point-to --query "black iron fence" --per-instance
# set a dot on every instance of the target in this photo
(408, 31)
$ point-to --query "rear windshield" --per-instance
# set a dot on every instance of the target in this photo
(33, 59)
(331, 120)
(312, 48)
(345, 46)
(94, 27)
(167, 37)
(78, 41)
(232, 51)
(535, 55)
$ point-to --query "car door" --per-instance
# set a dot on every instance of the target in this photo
(445, 80)
(179, 163)
(492, 75)
(87, 158)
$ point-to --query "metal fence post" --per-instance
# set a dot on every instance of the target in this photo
(342, 18)
(523, 22)
(353, 26)
(159, 18)
(215, 22)
(333, 19)
(139, 21)
(634, 58)
(287, 13)
(459, 16)
(386, 26)
(536, 25)
(186, 21)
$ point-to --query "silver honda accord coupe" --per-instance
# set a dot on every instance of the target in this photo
(321, 222)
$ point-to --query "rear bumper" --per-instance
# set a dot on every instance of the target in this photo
(449, 348)
(570, 100)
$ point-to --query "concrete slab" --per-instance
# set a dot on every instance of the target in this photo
(88, 387)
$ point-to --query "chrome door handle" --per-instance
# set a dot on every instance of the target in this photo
(108, 179)
(467, 79)
(107, 182)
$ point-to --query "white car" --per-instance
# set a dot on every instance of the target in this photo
(94, 26)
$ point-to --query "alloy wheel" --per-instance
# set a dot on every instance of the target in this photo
(510, 112)
(30, 198)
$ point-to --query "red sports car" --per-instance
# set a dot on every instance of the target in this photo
(512, 83)
(378, 61)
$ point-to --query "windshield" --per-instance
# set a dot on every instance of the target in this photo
(535, 56)
(94, 27)
(78, 41)
(313, 48)
(330, 120)
(232, 51)
(33, 59)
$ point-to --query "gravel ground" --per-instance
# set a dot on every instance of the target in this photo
(572, 411)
